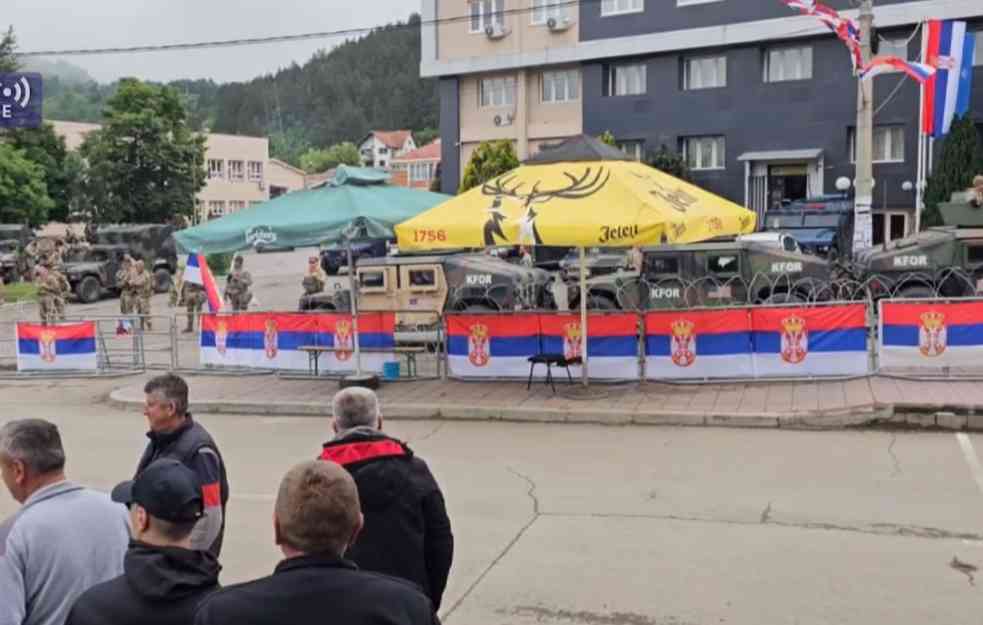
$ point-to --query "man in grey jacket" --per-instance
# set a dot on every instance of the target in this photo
(64, 539)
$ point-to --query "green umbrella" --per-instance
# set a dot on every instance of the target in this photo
(357, 204)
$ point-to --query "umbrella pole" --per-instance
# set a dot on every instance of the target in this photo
(583, 316)
(353, 290)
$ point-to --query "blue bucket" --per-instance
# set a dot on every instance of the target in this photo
(390, 370)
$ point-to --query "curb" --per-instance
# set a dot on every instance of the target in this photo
(871, 415)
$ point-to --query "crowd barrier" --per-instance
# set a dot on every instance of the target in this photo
(931, 336)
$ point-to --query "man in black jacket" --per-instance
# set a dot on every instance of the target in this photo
(163, 580)
(407, 532)
(316, 518)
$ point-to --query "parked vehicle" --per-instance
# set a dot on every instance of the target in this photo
(822, 225)
(91, 271)
(153, 243)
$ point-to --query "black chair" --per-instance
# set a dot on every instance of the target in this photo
(550, 360)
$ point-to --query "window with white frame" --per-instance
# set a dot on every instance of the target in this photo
(497, 92)
(978, 58)
(627, 79)
(543, 10)
(704, 72)
(237, 171)
(216, 207)
(619, 7)
(485, 13)
(888, 144)
(703, 153)
(216, 168)
(236, 205)
(634, 148)
(562, 86)
(420, 172)
(255, 171)
(783, 64)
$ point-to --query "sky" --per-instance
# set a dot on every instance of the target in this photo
(70, 24)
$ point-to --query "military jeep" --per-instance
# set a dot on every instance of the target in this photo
(719, 273)
(420, 288)
(152, 243)
(91, 271)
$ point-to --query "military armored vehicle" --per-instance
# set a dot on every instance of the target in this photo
(420, 288)
(822, 225)
(152, 243)
(91, 271)
(718, 273)
(599, 261)
(334, 259)
(946, 260)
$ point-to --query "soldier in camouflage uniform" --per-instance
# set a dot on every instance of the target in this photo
(142, 283)
(313, 282)
(194, 299)
(177, 285)
(51, 289)
(62, 297)
(237, 286)
(126, 303)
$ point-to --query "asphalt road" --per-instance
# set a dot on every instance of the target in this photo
(572, 524)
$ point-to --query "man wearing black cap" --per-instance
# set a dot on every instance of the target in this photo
(163, 580)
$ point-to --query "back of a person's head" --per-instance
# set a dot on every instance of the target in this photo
(34, 442)
(317, 509)
(355, 407)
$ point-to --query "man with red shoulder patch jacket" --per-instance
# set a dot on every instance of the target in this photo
(407, 532)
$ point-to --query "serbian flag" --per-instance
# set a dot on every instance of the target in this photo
(816, 341)
(197, 272)
(492, 346)
(918, 72)
(949, 49)
(612, 343)
(931, 335)
(698, 344)
(66, 346)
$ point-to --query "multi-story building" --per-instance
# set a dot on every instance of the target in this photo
(418, 168)
(380, 147)
(761, 102)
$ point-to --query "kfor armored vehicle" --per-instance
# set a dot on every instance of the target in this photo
(822, 225)
(151, 243)
(719, 273)
(946, 261)
(420, 288)
(91, 271)
(14, 263)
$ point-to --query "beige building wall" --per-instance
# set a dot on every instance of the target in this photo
(455, 42)
(74, 132)
(285, 176)
(227, 191)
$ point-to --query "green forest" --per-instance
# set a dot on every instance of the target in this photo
(339, 95)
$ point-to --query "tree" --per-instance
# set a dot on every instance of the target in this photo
(490, 160)
(45, 148)
(962, 158)
(669, 162)
(8, 44)
(23, 194)
(145, 164)
(425, 136)
(608, 139)
(315, 161)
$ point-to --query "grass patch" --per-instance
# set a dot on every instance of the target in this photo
(20, 291)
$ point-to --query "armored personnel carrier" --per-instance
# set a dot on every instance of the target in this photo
(152, 243)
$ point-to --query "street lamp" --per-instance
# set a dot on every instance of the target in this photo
(843, 184)
(907, 186)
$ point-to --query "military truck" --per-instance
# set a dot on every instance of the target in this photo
(91, 271)
(153, 243)
(946, 260)
(420, 288)
(14, 263)
(822, 225)
(718, 273)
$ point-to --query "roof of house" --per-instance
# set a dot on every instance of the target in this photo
(278, 163)
(391, 138)
(316, 180)
(430, 152)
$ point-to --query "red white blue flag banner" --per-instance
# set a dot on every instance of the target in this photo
(70, 346)
(919, 72)
(612, 343)
(492, 346)
(698, 344)
(950, 49)
(846, 29)
(801, 342)
(931, 336)
(197, 272)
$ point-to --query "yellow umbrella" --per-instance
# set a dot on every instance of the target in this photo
(580, 194)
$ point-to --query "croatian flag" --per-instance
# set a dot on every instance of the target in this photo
(66, 346)
(820, 341)
(698, 344)
(492, 346)
(612, 343)
(947, 47)
(931, 336)
(197, 272)
(919, 72)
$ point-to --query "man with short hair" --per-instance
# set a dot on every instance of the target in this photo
(175, 434)
(407, 532)
(316, 518)
(63, 540)
(164, 580)
(237, 286)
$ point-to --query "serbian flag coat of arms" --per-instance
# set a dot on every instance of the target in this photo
(197, 272)
(67, 346)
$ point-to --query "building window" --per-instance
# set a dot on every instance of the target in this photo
(627, 79)
(561, 86)
(704, 153)
(497, 92)
(237, 171)
(783, 64)
(634, 149)
(888, 144)
(893, 47)
(420, 172)
(236, 206)
(383, 150)
(619, 7)
(704, 72)
(542, 10)
(216, 169)
(255, 171)
(485, 13)
(978, 58)
(216, 207)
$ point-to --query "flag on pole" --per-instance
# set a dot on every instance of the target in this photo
(846, 29)
(949, 49)
(884, 64)
(197, 272)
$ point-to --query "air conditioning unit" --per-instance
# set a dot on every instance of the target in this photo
(496, 31)
(559, 24)
(262, 185)
(504, 120)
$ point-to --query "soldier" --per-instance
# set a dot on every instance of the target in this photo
(125, 293)
(237, 286)
(64, 289)
(175, 295)
(526, 258)
(142, 284)
(49, 291)
(636, 259)
(194, 299)
(314, 280)
(976, 198)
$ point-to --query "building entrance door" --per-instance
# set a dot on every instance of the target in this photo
(787, 183)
